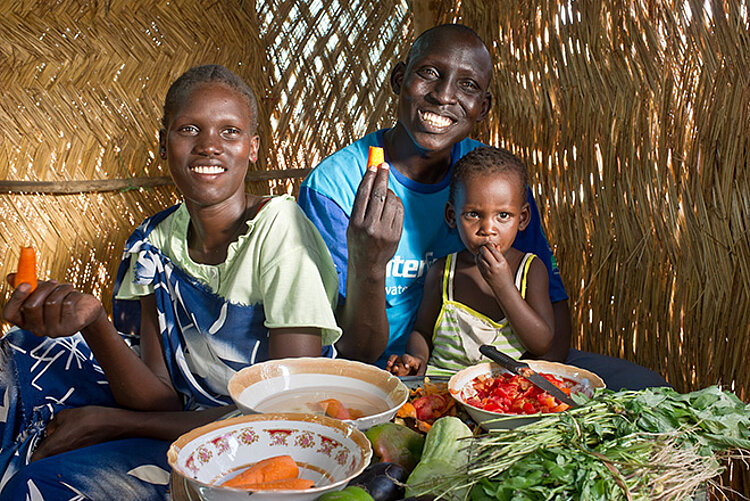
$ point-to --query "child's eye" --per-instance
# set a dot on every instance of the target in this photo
(189, 129)
(503, 215)
(471, 215)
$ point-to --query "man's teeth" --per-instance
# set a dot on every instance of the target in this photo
(208, 169)
(435, 119)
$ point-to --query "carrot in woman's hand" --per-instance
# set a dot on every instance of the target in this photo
(26, 272)
(375, 156)
(267, 470)
(279, 485)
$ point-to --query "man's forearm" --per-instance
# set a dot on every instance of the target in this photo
(363, 318)
(558, 352)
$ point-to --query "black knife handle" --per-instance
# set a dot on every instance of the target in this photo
(502, 359)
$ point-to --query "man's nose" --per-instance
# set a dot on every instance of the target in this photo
(444, 91)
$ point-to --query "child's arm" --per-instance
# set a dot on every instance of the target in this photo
(532, 320)
(419, 344)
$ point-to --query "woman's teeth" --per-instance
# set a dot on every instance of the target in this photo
(207, 169)
(434, 119)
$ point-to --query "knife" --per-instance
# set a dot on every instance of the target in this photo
(523, 370)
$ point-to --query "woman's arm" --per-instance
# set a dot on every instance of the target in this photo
(294, 342)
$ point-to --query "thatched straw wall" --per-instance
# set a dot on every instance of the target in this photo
(632, 117)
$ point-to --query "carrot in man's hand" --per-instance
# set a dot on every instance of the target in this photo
(267, 470)
(279, 485)
(26, 272)
(375, 156)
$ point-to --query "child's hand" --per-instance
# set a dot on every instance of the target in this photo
(53, 309)
(495, 269)
(405, 365)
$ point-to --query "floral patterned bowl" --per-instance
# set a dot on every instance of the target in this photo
(297, 384)
(328, 451)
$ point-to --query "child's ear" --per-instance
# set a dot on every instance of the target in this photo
(163, 144)
(450, 215)
(524, 217)
(254, 145)
(397, 77)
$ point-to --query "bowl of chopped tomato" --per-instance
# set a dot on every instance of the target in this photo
(496, 398)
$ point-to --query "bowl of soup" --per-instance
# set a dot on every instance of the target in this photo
(357, 393)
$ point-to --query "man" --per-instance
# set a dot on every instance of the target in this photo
(382, 239)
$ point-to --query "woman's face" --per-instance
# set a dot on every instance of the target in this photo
(210, 141)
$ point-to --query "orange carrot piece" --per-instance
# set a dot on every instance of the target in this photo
(355, 413)
(375, 156)
(26, 272)
(290, 484)
(335, 409)
(267, 470)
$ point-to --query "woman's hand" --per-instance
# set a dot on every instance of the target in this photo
(495, 270)
(72, 429)
(53, 309)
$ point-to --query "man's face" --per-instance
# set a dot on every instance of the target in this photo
(443, 89)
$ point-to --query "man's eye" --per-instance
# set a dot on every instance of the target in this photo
(470, 86)
(428, 72)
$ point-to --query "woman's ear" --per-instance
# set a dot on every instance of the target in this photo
(397, 77)
(450, 215)
(524, 217)
(162, 144)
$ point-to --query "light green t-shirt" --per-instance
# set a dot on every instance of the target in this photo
(281, 262)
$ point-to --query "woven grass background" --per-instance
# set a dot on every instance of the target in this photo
(632, 117)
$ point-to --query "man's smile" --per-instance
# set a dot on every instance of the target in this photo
(435, 121)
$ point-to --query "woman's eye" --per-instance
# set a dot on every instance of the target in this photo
(231, 131)
(428, 72)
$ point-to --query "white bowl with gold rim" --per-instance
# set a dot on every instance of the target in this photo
(297, 384)
(327, 451)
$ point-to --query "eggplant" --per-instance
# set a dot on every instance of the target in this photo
(383, 481)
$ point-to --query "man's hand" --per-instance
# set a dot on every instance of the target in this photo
(495, 269)
(53, 309)
(375, 223)
(72, 429)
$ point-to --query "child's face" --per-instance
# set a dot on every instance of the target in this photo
(210, 141)
(442, 90)
(489, 210)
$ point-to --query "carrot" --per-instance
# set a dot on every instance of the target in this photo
(267, 470)
(375, 156)
(335, 409)
(290, 484)
(26, 272)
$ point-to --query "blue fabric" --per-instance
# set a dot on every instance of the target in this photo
(617, 373)
(327, 196)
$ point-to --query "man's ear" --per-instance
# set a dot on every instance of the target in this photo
(397, 77)
(163, 144)
(450, 215)
(524, 217)
(486, 106)
(254, 145)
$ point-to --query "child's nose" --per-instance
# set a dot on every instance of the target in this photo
(487, 227)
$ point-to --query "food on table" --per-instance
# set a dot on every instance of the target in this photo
(512, 394)
(288, 484)
(267, 471)
(350, 493)
(426, 404)
(382, 481)
(26, 271)
(375, 156)
(335, 409)
(394, 443)
(444, 453)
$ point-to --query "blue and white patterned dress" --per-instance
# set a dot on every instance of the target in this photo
(40, 376)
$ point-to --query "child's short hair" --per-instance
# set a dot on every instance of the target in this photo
(487, 160)
(205, 74)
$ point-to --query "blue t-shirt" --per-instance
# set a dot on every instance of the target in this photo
(327, 196)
